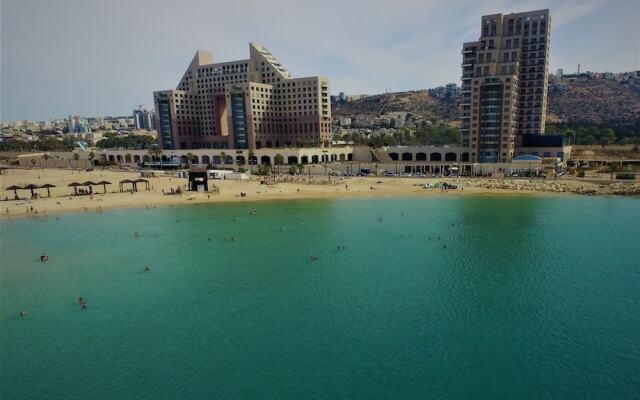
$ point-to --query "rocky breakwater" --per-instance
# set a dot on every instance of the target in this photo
(571, 187)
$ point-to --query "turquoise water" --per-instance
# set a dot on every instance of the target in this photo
(532, 298)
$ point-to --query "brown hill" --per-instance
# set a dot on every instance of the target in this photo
(578, 99)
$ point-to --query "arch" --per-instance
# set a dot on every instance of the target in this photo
(147, 158)
(334, 157)
(119, 158)
(184, 160)
(265, 160)
(206, 160)
(228, 160)
(341, 157)
(292, 160)
(324, 158)
(435, 157)
(253, 160)
(394, 156)
(451, 157)
(314, 159)
(421, 156)
(127, 158)
(304, 160)
(216, 160)
(240, 160)
(407, 157)
(350, 157)
(112, 158)
(464, 157)
(165, 158)
(136, 159)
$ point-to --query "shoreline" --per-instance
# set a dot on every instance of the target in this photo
(62, 202)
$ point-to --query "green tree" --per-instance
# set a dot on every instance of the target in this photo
(223, 158)
(279, 161)
(251, 155)
(190, 157)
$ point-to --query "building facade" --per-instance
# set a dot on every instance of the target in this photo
(504, 84)
(144, 119)
(252, 103)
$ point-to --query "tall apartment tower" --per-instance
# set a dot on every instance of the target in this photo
(252, 103)
(504, 84)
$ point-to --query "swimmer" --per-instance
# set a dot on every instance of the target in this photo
(44, 257)
(147, 269)
(24, 313)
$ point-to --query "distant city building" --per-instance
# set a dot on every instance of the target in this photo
(144, 119)
(504, 84)
(243, 104)
(449, 91)
(559, 73)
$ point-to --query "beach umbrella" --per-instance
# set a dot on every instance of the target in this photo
(74, 185)
(32, 187)
(104, 184)
(90, 184)
(48, 186)
(15, 189)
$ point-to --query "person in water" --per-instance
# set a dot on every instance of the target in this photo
(24, 313)
(44, 257)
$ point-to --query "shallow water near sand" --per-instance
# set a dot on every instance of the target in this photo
(532, 298)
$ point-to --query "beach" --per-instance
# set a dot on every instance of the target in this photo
(285, 187)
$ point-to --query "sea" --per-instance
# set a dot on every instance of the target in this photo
(469, 297)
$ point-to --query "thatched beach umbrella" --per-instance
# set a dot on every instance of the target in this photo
(90, 184)
(140, 180)
(122, 182)
(32, 187)
(74, 185)
(104, 184)
(48, 186)
(15, 189)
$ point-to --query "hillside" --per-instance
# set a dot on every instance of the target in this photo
(595, 101)
(574, 100)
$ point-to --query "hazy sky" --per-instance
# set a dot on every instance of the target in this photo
(92, 58)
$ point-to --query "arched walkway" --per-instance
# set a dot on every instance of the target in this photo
(119, 158)
(206, 160)
(292, 160)
(304, 160)
(314, 159)
(334, 157)
(464, 157)
(228, 160)
(136, 159)
(350, 157)
(127, 158)
(435, 157)
(421, 156)
(240, 160)
(112, 158)
(407, 157)
(394, 156)
(217, 160)
(451, 157)
(265, 160)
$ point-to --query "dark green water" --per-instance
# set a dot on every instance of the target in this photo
(533, 298)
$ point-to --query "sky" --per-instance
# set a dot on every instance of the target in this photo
(99, 58)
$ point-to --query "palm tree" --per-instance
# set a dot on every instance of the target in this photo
(46, 158)
(251, 155)
(190, 158)
(278, 160)
(155, 152)
(76, 157)
(223, 158)
(91, 157)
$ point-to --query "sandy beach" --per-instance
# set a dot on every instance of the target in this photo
(62, 200)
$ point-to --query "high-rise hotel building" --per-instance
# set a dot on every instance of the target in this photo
(504, 84)
(252, 103)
